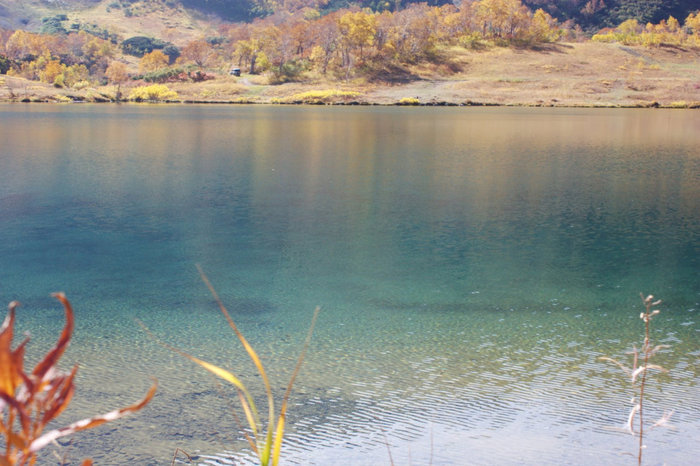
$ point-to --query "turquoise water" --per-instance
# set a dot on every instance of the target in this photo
(471, 265)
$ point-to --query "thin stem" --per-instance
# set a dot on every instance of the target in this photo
(647, 352)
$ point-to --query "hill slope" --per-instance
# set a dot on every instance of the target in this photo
(590, 14)
(124, 18)
(596, 14)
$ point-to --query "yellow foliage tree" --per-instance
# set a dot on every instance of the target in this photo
(672, 25)
(52, 73)
(543, 27)
(357, 30)
(628, 31)
(153, 61)
(503, 19)
(97, 48)
(692, 27)
(247, 52)
(74, 74)
(22, 44)
(692, 23)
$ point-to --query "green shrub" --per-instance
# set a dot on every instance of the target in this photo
(163, 75)
(172, 52)
(53, 25)
(288, 72)
(5, 64)
(138, 46)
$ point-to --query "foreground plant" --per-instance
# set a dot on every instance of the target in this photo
(265, 443)
(638, 375)
(29, 401)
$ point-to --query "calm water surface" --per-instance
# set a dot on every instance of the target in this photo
(471, 264)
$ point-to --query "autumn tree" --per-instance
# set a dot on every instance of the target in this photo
(326, 36)
(692, 23)
(357, 30)
(302, 41)
(692, 28)
(23, 46)
(278, 48)
(502, 19)
(75, 42)
(75, 74)
(97, 49)
(417, 29)
(199, 52)
(52, 70)
(247, 52)
(543, 27)
(116, 73)
(153, 61)
(453, 22)
(252, 52)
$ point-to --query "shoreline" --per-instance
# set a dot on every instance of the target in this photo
(641, 105)
(568, 75)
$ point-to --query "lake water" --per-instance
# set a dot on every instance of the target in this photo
(471, 265)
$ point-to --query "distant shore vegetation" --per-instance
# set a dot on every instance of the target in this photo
(304, 45)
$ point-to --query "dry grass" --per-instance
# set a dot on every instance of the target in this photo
(223, 89)
(579, 74)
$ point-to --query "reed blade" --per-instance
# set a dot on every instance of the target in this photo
(91, 422)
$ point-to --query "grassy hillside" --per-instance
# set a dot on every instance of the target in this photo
(126, 18)
(590, 14)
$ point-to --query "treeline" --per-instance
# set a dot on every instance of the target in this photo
(65, 60)
(589, 14)
(349, 42)
(305, 44)
(343, 43)
(666, 32)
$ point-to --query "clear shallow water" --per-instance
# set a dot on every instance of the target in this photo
(471, 264)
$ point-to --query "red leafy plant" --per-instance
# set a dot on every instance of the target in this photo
(30, 400)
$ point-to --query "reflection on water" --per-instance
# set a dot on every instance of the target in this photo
(472, 264)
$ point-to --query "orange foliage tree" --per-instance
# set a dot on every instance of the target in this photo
(198, 52)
